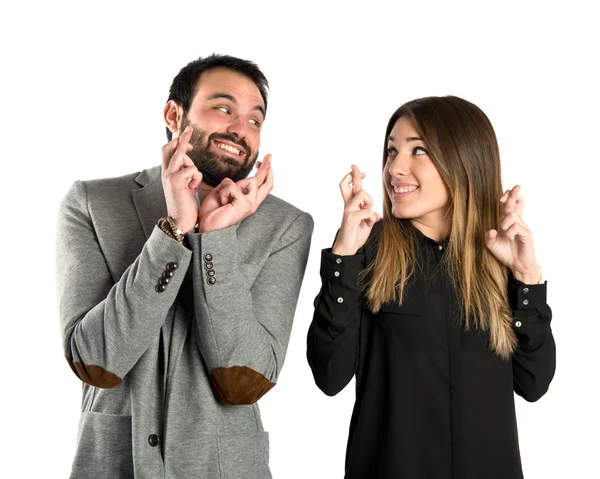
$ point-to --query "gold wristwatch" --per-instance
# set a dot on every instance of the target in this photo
(168, 226)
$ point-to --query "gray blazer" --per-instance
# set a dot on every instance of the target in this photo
(174, 345)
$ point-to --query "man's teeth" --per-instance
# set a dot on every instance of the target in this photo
(404, 189)
(231, 149)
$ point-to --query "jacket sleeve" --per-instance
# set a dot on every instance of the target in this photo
(534, 361)
(243, 329)
(106, 326)
(333, 336)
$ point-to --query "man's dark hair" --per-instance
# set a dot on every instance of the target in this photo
(184, 84)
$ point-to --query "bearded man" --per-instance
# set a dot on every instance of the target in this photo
(177, 288)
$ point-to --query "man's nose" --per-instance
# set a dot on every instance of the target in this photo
(238, 127)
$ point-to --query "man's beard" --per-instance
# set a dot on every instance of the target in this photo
(214, 167)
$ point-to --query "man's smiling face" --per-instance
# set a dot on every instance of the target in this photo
(226, 113)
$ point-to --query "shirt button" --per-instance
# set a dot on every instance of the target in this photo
(208, 257)
(336, 274)
(525, 302)
(153, 440)
(440, 247)
(340, 300)
(526, 290)
(171, 266)
(518, 324)
(338, 260)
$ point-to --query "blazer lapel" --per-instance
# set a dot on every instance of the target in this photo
(150, 205)
(149, 201)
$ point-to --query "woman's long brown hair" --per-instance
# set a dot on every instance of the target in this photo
(463, 146)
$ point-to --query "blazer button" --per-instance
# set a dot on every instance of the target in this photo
(212, 280)
(171, 266)
(208, 257)
(160, 288)
(153, 440)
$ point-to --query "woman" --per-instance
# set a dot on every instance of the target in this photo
(438, 309)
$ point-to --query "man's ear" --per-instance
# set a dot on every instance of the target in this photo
(173, 114)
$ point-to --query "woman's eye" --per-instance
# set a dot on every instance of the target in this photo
(391, 152)
(419, 150)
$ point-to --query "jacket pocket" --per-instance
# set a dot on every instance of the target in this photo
(103, 447)
(244, 456)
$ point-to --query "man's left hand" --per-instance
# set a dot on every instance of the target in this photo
(230, 202)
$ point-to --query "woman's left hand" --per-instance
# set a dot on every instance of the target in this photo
(512, 243)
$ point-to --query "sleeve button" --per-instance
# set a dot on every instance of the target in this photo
(160, 288)
(208, 257)
(171, 266)
(210, 272)
(212, 280)
(208, 265)
(167, 273)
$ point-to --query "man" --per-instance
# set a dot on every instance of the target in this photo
(177, 287)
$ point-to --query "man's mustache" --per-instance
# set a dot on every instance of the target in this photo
(231, 138)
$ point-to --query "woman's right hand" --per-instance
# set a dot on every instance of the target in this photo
(358, 218)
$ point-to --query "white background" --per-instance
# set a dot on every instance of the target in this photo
(83, 89)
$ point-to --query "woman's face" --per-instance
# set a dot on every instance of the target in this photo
(413, 183)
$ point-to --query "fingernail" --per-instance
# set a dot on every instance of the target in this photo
(187, 128)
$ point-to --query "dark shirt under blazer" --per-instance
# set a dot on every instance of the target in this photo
(432, 401)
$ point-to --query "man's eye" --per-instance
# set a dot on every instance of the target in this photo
(419, 150)
(254, 122)
(391, 151)
(224, 109)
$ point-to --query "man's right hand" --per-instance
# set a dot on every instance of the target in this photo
(180, 178)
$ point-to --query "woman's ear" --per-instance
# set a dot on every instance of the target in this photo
(173, 114)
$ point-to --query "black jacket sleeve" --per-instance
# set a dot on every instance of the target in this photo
(534, 362)
(333, 336)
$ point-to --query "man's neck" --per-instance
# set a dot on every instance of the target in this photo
(204, 190)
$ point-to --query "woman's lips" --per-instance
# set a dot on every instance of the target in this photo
(403, 191)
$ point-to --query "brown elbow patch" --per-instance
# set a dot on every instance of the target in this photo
(94, 375)
(239, 385)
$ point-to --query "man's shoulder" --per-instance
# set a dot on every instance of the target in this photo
(124, 182)
(112, 189)
(276, 209)
(275, 216)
